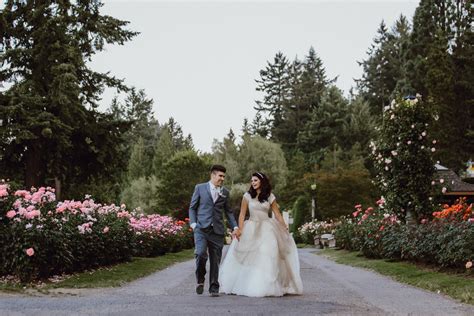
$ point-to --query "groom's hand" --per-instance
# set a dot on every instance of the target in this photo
(236, 233)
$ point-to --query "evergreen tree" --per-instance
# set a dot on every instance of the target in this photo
(287, 131)
(177, 136)
(359, 126)
(325, 127)
(259, 127)
(137, 166)
(246, 129)
(164, 150)
(384, 67)
(439, 41)
(49, 111)
(226, 153)
(274, 84)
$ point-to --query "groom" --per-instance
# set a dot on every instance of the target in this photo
(210, 200)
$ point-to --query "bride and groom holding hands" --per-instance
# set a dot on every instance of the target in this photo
(262, 259)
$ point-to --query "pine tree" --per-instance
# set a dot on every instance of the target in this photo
(164, 150)
(137, 164)
(274, 84)
(259, 127)
(308, 82)
(325, 126)
(246, 129)
(227, 154)
(49, 111)
(434, 70)
(383, 69)
(286, 132)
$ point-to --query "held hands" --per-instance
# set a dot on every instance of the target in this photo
(236, 233)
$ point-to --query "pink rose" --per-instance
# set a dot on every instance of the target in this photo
(30, 252)
(3, 192)
(106, 229)
(11, 214)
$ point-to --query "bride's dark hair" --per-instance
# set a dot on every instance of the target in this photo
(265, 187)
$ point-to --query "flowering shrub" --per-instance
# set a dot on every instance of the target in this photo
(42, 237)
(157, 234)
(311, 229)
(365, 229)
(460, 211)
(446, 241)
(402, 155)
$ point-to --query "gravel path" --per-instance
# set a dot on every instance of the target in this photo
(329, 288)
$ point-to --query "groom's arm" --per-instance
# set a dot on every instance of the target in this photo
(193, 207)
(229, 214)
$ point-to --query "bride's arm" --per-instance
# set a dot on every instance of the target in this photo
(276, 211)
(243, 211)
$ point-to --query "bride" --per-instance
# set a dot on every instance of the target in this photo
(264, 260)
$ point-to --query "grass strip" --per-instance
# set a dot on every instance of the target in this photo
(113, 276)
(459, 286)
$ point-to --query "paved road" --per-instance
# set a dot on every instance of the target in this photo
(330, 288)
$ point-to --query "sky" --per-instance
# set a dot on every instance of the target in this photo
(199, 60)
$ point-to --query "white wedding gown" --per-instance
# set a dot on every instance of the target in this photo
(265, 260)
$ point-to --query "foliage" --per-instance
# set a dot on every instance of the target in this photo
(141, 194)
(137, 165)
(309, 230)
(402, 155)
(446, 241)
(460, 211)
(432, 56)
(156, 235)
(259, 154)
(179, 177)
(51, 130)
(255, 153)
(301, 212)
(42, 237)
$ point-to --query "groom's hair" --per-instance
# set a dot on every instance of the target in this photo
(215, 168)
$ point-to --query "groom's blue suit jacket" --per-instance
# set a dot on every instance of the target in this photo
(204, 212)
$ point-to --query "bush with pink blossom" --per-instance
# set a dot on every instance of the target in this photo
(43, 237)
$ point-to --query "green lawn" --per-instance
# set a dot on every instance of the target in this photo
(113, 276)
(303, 245)
(456, 285)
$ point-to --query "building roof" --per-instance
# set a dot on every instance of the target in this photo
(453, 182)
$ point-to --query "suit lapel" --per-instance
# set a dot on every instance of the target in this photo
(221, 196)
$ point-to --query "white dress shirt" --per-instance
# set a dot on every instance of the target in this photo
(215, 192)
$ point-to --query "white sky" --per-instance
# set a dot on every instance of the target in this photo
(198, 60)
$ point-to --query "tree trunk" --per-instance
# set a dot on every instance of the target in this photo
(34, 172)
(57, 186)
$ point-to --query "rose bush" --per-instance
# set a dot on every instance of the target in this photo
(43, 237)
(445, 241)
(309, 230)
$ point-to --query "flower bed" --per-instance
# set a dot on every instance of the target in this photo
(445, 241)
(310, 230)
(157, 234)
(42, 237)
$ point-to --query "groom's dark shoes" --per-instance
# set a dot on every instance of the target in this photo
(200, 289)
